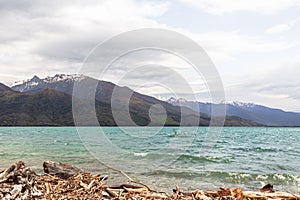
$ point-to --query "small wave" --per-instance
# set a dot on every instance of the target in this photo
(140, 154)
(204, 159)
(233, 177)
(255, 149)
(262, 149)
(185, 158)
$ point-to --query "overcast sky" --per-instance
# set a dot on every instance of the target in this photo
(255, 45)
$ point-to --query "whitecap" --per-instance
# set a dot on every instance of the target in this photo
(140, 154)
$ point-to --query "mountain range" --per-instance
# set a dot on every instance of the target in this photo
(249, 111)
(48, 102)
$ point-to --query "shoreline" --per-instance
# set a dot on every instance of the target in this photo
(65, 181)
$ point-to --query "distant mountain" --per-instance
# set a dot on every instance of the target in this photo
(139, 104)
(4, 88)
(60, 82)
(249, 111)
(61, 85)
(47, 107)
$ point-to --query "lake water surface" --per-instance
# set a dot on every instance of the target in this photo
(165, 157)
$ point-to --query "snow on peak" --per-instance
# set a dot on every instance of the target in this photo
(162, 98)
(18, 83)
(63, 77)
(29, 83)
(171, 99)
(35, 81)
(50, 79)
(174, 100)
(240, 104)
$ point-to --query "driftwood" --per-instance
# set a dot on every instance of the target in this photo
(266, 188)
(64, 181)
(122, 186)
(9, 172)
(17, 182)
(235, 193)
(61, 170)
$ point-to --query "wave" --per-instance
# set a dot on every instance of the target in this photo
(256, 149)
(204, 159)
(140, 154)
(185, 158)
(232, 177)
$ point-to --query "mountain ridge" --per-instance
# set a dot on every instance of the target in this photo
(249, 111)
(4, 88)
(59, 88)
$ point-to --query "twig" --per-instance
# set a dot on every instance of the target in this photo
(130, 179)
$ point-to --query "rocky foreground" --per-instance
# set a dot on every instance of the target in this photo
(64, 181)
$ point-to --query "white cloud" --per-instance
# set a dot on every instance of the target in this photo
(224, 47)
(278, 87)
(56, 36)
(220, 7)
(281, 27)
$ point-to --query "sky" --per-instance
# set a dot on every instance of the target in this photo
(254, 45)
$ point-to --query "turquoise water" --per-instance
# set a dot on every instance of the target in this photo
(238, 157)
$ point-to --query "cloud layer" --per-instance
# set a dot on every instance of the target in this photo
(257, 62)
(220, 7)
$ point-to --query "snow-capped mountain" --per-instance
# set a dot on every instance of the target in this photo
(240, 104)
(55, 82)
(64, 77)
(173, 100)
(26, 84)
(52, 95)
(249, 111)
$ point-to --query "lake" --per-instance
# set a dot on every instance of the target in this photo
(190, 157)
